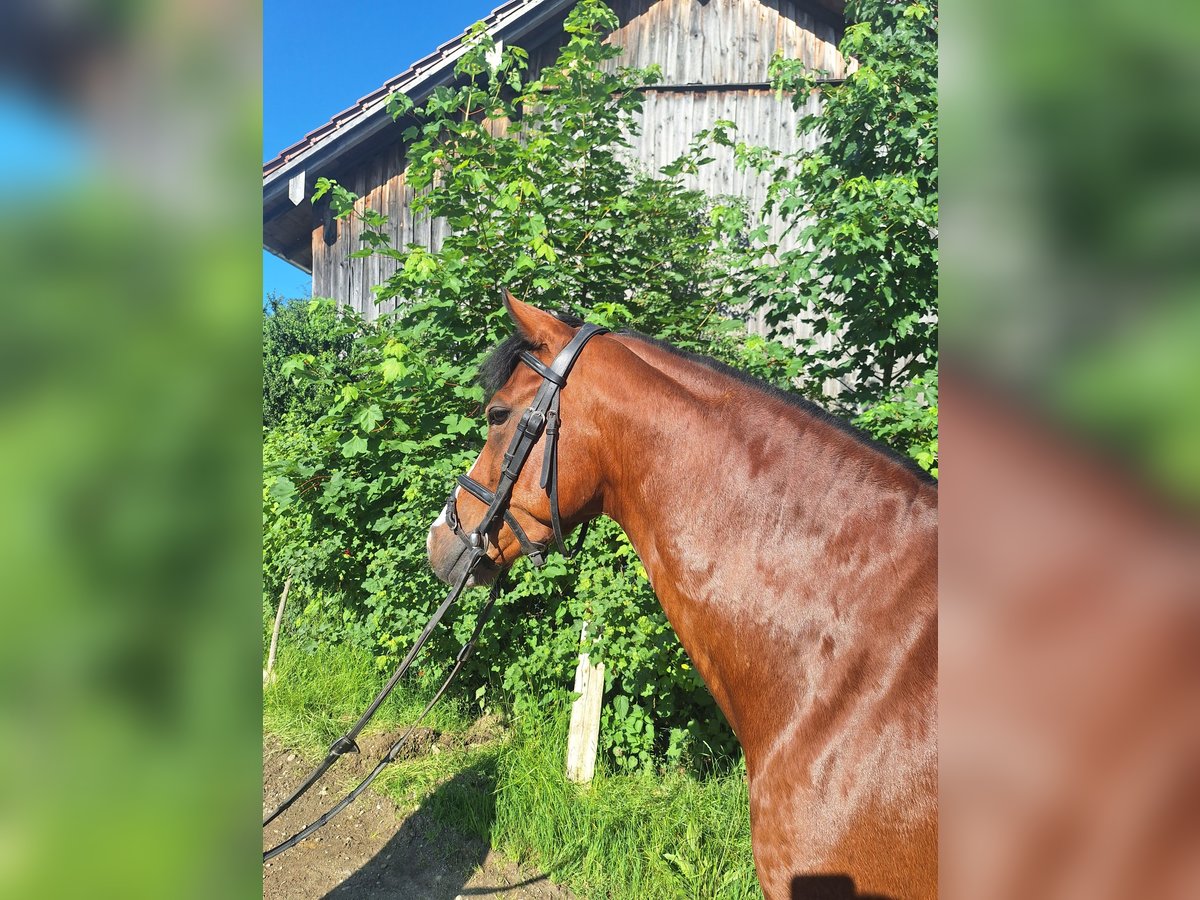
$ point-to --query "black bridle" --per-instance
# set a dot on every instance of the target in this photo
(542, 416)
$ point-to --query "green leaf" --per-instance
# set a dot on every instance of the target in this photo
(354, 446)
(368, 417)
(283, 491)
(391, 369)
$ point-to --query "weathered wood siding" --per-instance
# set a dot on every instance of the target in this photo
(722, 41)
(722, 45)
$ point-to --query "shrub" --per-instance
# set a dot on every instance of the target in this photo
(291, 327)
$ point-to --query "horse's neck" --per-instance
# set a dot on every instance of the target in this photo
(771, 537)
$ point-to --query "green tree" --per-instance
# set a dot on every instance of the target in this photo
(862, 206)
(291, 327)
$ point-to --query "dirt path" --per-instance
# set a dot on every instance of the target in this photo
(373, 850)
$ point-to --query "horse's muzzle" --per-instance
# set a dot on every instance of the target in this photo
(449, 557)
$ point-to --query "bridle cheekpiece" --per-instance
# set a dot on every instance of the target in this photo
(542, 416)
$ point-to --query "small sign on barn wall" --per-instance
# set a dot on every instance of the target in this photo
(296, 188)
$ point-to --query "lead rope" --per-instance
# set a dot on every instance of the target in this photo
(529, 429)
(346, 743)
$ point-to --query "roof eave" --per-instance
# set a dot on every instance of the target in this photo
(374, 117)
(274, 251)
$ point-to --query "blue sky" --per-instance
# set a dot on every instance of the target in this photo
(42, 150)
(318, 59)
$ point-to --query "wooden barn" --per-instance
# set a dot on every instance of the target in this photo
(713, 54)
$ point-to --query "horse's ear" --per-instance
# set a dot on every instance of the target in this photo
(537, 325)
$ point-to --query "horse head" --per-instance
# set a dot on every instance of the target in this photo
(570, 473)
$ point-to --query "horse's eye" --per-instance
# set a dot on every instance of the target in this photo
(497, 415)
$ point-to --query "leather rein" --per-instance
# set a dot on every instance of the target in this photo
(542, 417)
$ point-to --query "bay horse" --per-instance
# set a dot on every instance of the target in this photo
(796, 561)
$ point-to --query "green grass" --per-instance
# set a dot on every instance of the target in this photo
(622, 837)
(317, 696)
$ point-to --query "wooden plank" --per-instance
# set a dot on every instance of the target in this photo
(732, 106)
(690, 126)
(629, 34)
(717, 59)
(319, 267)
(637, 42)
(269, 671)
(396, 204)
(363, 265)
(583, 739)
(370, 266)
(673, 42)
(349, 244)
(771, 32)
(392, 198)
(758, 54)
(406, 214)
(382, 262)
(395, 199)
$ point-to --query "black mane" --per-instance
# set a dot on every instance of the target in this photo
(500, 364)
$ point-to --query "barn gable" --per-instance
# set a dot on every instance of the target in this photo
(713, 55)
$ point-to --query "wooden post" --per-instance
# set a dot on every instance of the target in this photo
(584, 737)
(275, 633)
